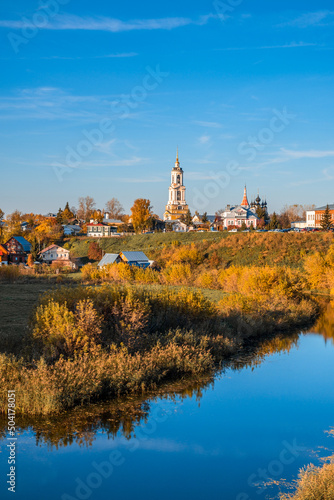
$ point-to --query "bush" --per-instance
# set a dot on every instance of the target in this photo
(61, 331)
(177, 274)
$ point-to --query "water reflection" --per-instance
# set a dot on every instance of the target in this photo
(325, 324)
(123, 416)
(118, 417)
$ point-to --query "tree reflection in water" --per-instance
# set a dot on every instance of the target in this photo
(123, 416)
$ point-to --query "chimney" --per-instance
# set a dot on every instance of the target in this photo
(228, 208)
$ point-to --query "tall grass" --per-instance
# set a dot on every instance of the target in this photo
(314, 483)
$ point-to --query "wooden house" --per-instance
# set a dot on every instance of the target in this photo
(18, 248)
(138, 259)
(55, 253)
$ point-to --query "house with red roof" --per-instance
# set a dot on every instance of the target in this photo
(55, 253)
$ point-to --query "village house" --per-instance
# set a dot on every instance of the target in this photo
(314, 217)
(71, 229)
(137, 259)
(100, 230)
(108, 258)
(18, 249)
(55, 253)
(180, 227)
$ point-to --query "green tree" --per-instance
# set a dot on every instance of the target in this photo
(261, 213)
(188, 218)
(141, 214)
(326, 220)
(34, 248)
(274, 222)
(243, 226)
(205, 218)
(59, 217)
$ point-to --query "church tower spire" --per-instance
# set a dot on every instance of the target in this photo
(244, 202)
(177, 163)
(177, 205)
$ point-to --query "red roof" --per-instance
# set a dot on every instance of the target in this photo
(97, 224)
(244, 202)
(53, 246)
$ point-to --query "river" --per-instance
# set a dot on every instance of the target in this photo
(260, 420)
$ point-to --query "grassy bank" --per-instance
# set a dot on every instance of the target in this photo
(91, 343)
(217, 248)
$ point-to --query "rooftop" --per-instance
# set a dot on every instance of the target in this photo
(108, 258)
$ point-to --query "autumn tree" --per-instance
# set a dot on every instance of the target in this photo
(67, 214)
(291, 213)
(14, 224)
(96, 215)
(115, 209)
(30, 261)
(326, 220)
(48, 231)
(86, 208)
(141, 214)
(94, 251)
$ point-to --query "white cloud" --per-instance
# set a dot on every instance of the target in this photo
(296, 155)
(73, 22)
(204, 139)
(291, 45)
(207, 124)
(309, 19)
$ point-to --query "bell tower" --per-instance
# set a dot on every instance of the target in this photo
(176, 206)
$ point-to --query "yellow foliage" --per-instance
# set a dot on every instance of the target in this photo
(177, 274)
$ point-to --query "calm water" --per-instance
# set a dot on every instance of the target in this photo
(264, 417)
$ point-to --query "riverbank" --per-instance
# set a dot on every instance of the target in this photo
(86, 344)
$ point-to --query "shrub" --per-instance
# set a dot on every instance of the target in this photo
(177, 274)
(61, 331)
(207, 280)
(9, 273)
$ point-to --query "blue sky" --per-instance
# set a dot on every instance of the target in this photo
(95, 98)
